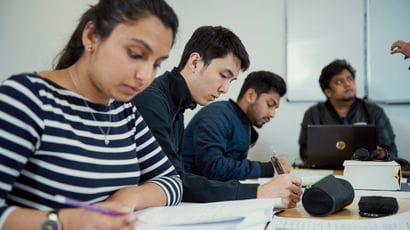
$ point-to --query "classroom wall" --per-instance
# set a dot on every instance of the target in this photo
(33, 32)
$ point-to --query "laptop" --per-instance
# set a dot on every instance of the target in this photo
(329, 145)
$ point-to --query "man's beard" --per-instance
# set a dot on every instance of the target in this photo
(348, 99)
(257, 125)
(260, 124)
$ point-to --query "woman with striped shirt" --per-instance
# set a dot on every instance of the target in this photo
(73, 132)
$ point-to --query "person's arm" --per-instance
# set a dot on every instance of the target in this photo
(284, 186)
(17, 128)
(303, 133)
(71, 218)
(385, 134)
(161, 185)
(154, 108)
(200, 189)
(401, 47)
(155, 165)
(21, 128)
(143, 196)
(286, 166)
(213, 133)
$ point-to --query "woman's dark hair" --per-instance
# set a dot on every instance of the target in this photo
(332, 69)
(214, 42)
(107, 14)
(263, 82)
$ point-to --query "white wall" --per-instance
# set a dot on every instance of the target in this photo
(33, 32)
(260, 25)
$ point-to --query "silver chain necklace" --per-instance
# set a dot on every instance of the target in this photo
(106, 140)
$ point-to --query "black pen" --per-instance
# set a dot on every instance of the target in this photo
(276, 165)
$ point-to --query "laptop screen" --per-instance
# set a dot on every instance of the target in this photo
(329, 145)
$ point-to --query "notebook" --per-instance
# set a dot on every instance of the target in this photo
(329, 145)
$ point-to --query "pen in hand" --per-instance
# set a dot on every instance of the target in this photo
(276, 165)
(80, 204)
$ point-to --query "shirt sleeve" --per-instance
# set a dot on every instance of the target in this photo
(20, 131)
(154, 164)
(307, 119)
(385, 134)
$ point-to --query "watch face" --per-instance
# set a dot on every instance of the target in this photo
(50, 225)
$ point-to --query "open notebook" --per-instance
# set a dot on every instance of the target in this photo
(238, 214)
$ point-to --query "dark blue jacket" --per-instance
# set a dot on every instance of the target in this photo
(162, 105)
(216, 144)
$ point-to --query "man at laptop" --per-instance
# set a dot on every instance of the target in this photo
(337, 82)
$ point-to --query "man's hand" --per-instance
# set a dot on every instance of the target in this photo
(284, 186)
(286, 166)
(401, 47)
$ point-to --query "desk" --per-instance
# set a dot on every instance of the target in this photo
(349, 212)
(254, 213)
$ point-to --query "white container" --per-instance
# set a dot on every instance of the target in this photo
(374, 175)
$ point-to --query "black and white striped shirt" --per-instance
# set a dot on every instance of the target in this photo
(51, 144)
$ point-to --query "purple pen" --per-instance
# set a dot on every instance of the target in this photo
(80, 204)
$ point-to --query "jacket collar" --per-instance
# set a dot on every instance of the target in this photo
(352, 110)
(240, 113)
(180, 95)
(242, 116)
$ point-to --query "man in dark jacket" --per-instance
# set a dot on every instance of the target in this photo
(337, 82)
(212, 58)
(218, 137)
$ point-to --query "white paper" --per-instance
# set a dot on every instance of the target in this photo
(394, 222)
(310, 172)
(308, 176)
(239, 214)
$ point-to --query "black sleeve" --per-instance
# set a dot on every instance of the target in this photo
(201, 189)
(385, 134)
(153, 106)
(303, 134)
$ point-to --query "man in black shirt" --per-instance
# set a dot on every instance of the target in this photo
(337, 82)
(212, 59)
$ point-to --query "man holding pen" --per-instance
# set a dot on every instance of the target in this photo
(217, 139)
(211, 60)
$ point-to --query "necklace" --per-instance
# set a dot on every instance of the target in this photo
(106, 140)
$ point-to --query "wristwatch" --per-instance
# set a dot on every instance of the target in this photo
(52, 222)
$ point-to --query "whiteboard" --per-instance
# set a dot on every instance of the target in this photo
(389, 75)
(317, 32)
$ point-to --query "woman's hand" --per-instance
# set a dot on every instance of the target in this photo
(78, 219)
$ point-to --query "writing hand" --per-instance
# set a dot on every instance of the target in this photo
(80, 218)
(284, 186)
